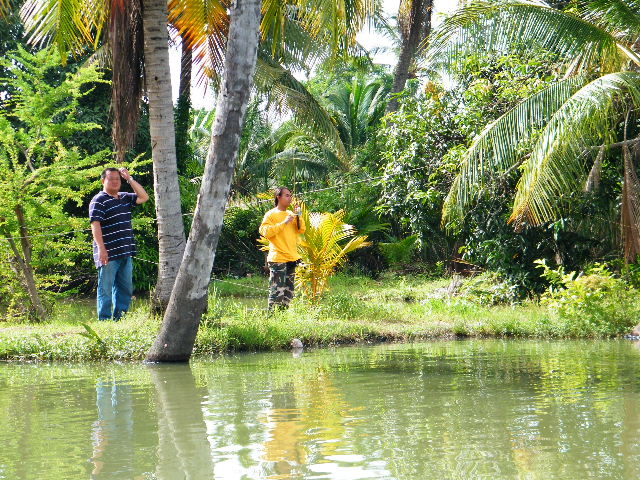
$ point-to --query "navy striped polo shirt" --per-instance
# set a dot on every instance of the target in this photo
(114, 215)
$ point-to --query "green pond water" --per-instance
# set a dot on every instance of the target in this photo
(441, 410)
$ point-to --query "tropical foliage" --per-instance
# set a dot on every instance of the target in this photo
(597, 302)
(571, 121)
(324, 248)
(41, 173)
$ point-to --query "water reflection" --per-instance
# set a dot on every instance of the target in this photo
(497, 410)
(112, 432)
(183, 446)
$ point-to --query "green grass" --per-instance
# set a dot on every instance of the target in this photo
(357, 309)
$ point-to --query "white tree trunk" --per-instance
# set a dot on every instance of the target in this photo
(189, 296)
(171, 239)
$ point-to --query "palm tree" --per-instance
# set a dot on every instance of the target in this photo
(572, 122)
(324, 248)
(189, 297)
(357, 108)
(414, 25)
(203, 25)
(301, 153)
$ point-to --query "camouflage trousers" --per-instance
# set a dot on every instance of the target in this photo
(281, 280)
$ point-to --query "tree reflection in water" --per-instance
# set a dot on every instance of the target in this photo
(183, 450)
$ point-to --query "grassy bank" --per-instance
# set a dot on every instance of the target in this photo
(357, 309)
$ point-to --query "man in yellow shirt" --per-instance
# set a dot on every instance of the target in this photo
(281, 227)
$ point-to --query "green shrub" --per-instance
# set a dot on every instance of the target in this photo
(490, 288)
(238, 252)
(399, 253)
(596, 303)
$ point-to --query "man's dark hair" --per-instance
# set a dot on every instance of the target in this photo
(278, 193)
(103, 175)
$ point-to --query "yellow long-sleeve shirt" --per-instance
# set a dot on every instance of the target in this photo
(283, 237)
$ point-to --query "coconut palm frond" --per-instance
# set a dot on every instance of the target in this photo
(6, 7)
(356, 107)
(203, 25)
(299, 51)
(69, 24)
(336, 23)
(494, 150)
(282, 87)
(297, 164)
(619, 16)
(557, 163)
(499, 25)
(273, 24)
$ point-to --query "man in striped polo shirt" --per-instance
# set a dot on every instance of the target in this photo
(113, 243)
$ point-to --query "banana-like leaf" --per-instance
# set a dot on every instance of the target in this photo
(498, 25)
(494, 149)
(557, 163)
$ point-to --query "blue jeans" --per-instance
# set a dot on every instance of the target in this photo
(115, 288)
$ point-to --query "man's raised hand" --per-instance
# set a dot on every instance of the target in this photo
(124, 173)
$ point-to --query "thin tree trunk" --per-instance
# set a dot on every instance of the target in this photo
(630, 209)
(23, 264)
(189, 296)
(413, 31)
(171, 239)
(186, 61)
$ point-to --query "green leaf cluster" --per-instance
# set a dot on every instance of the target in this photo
(42, 173)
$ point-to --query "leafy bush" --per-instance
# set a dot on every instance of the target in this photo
(596, 303)
(238, 252)
(399, 253)
(42, 177)
(489, 288)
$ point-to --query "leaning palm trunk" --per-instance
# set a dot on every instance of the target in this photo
(189, 296)
(165, 173)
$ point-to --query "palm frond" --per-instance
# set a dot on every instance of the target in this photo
(621, 17)
(203, 25)
(281, 86)
(294, 47)
(323, 250)
(6, 7)
(498, 26)
(336, 22)
(494, 150)
(69, 24)
(557, 163)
